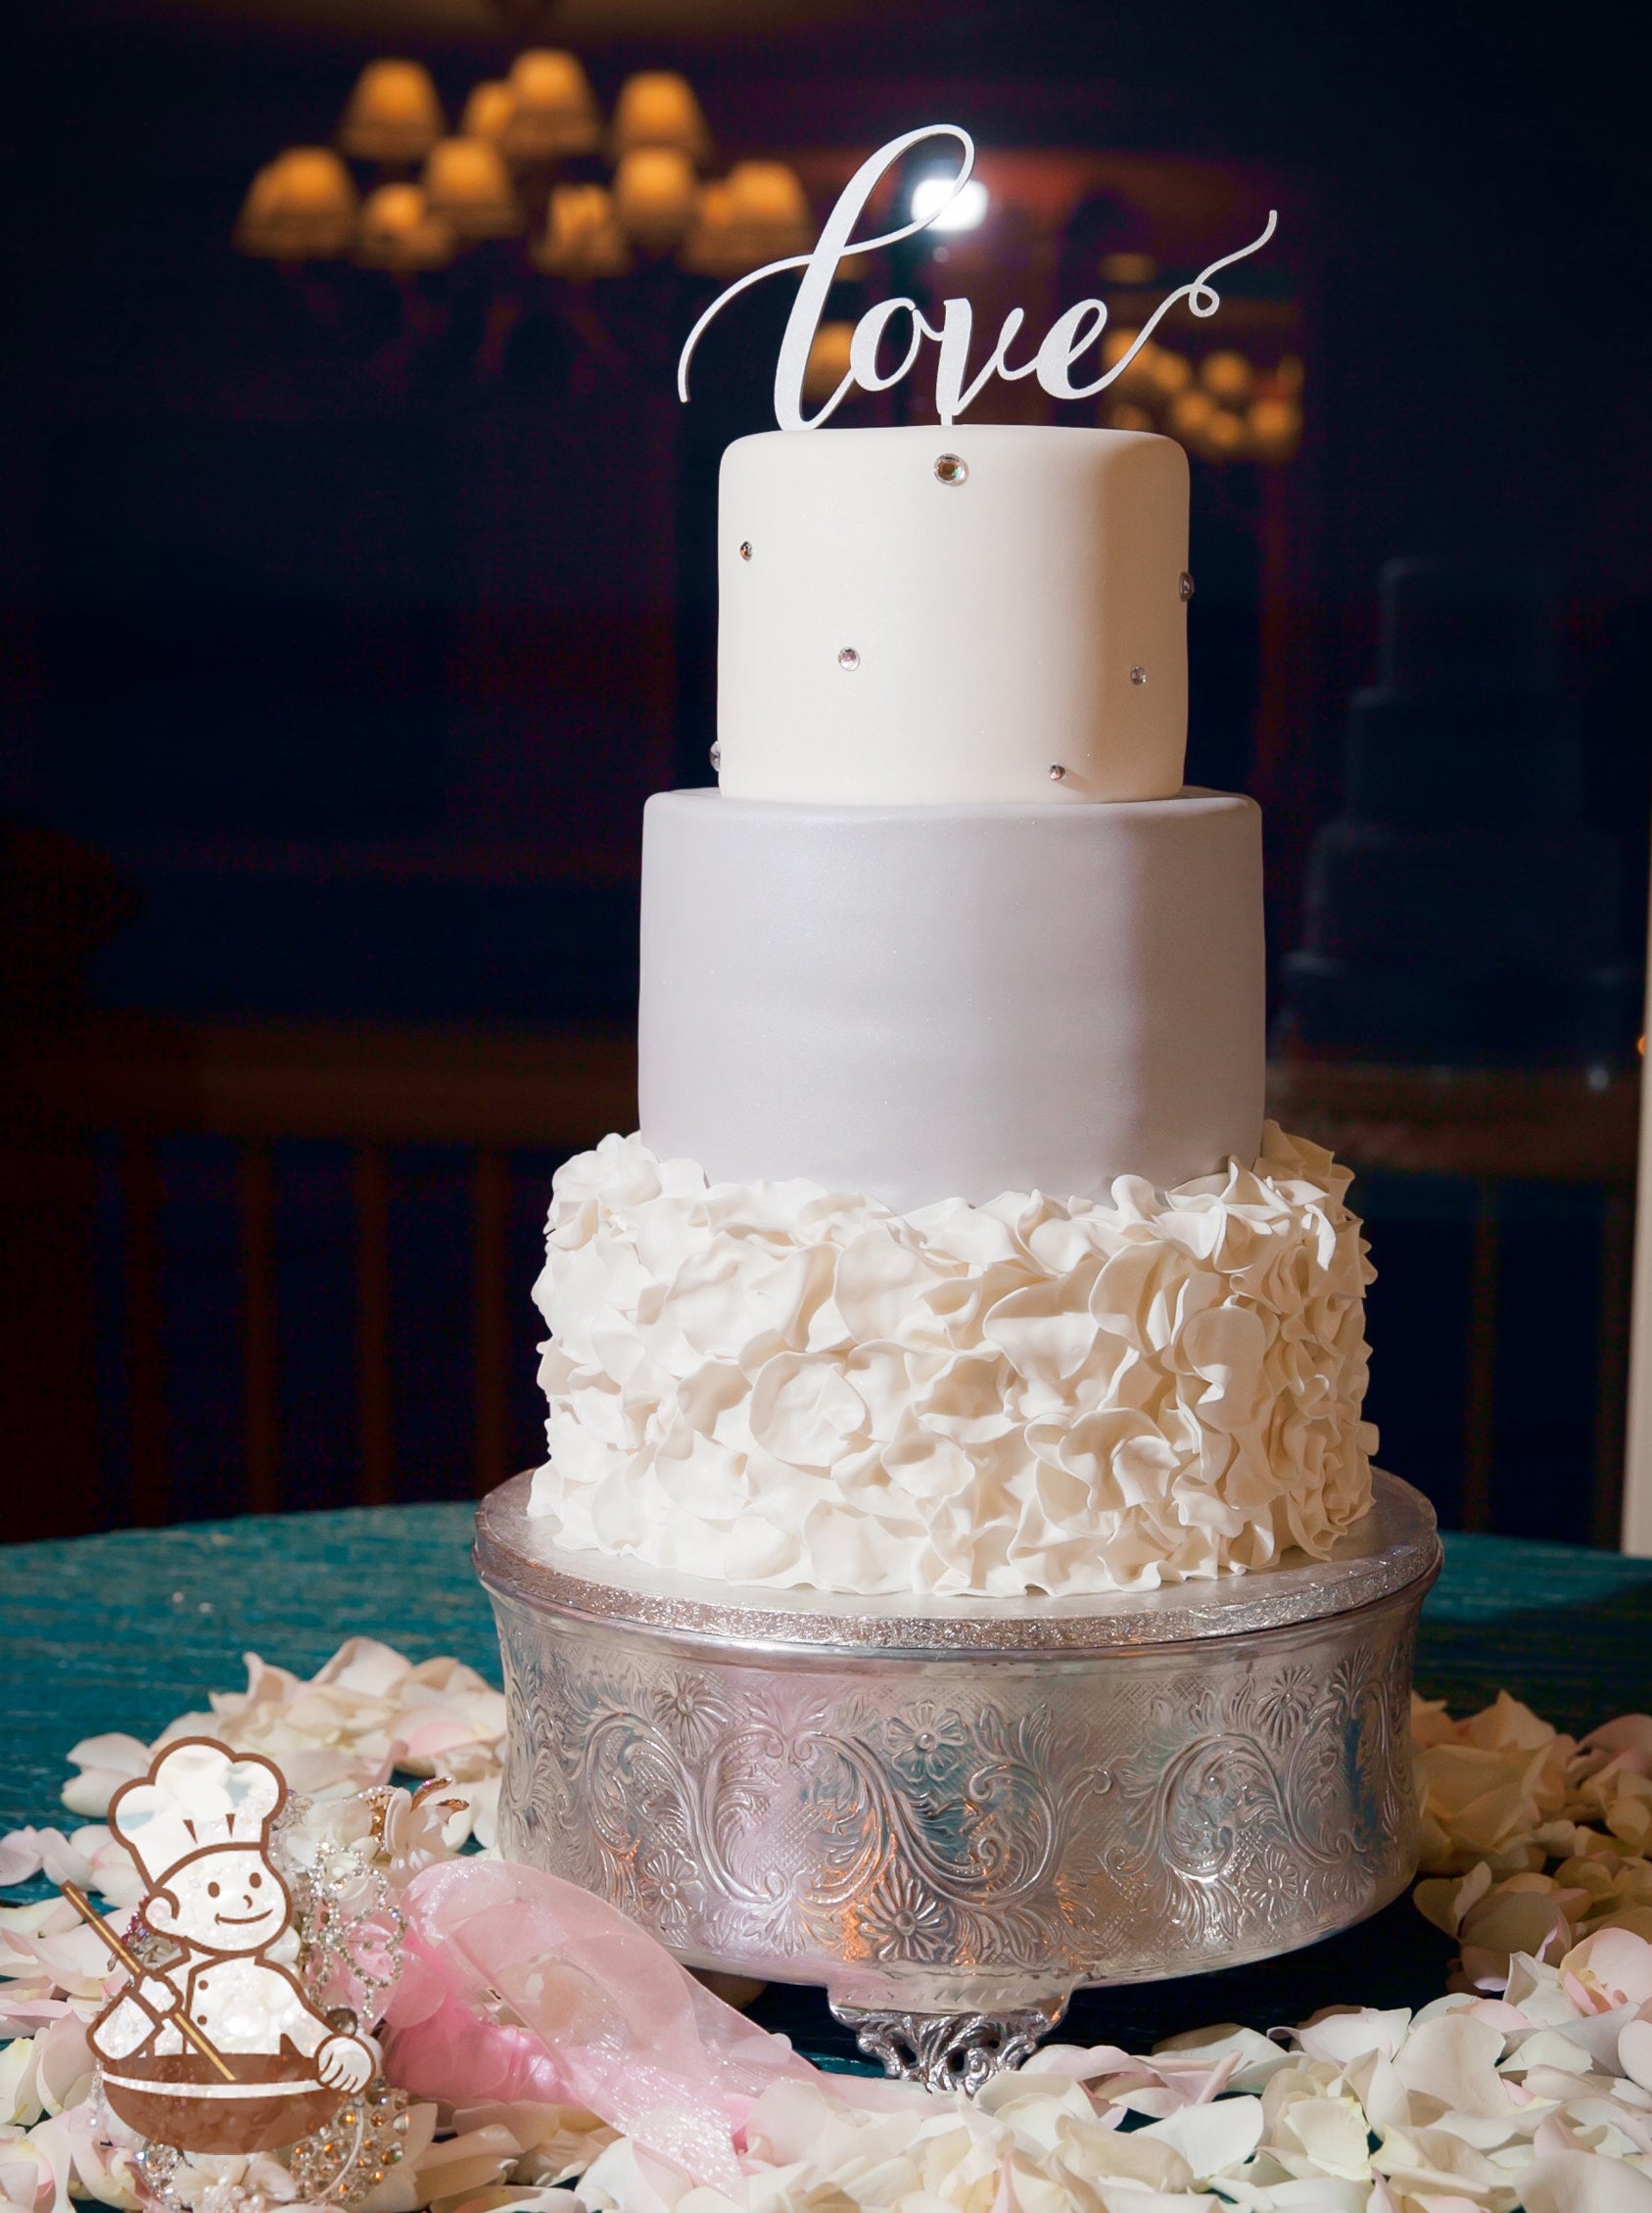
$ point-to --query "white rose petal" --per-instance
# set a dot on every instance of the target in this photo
(1211, 2137)
(1573, 2181)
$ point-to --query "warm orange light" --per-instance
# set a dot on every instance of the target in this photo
(397, 231)
(1225, 436)
(467, 185)
(759, 213)
(829, 361)
(654, 196)
(554, 109)
(1137, 384)
(1276, 428)
(769, 194)
(1171, 372)
(1127, 269)
(393, 115)
(713, 246)
(658, 108)
(581, 237)
(1190, 414)
(301, 208)
(1228, 376)
(487, 111)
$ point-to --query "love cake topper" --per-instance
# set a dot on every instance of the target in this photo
(1069, 338)
(213, 2045)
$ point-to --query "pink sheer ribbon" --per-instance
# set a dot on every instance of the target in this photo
(520, 1986)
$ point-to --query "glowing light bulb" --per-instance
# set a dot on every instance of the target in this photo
(967, 210)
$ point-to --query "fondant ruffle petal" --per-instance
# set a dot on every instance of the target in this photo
(780, 1384)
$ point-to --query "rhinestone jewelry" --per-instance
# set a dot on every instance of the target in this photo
(1057, 772)
(951, 468)
(745, 556)
(1138, 675)
(1185, 588)
(848, 658)
(346, 2162)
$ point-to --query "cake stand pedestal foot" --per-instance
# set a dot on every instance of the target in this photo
(946, 2052)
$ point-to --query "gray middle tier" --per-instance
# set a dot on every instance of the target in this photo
(924, 1002)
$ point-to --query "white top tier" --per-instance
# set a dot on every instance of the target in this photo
(927, 616)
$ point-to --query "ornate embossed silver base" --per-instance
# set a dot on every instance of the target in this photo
(952, 1813)
(949, 2051)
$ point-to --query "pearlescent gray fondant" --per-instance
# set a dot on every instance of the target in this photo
(924, 1003)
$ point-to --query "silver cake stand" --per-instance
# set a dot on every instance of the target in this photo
(954, 1812)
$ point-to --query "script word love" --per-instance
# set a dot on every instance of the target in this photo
(1069, 338)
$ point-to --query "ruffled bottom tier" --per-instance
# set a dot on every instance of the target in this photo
(773, 1383)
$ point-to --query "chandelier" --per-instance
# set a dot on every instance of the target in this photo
(531, 160)
(536, 176)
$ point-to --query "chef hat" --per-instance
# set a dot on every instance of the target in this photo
(197, 1793)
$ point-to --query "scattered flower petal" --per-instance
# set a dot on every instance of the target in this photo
(1528, 2088)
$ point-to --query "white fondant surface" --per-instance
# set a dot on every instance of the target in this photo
(939, 1002)
(776, 1383)
(996, 621)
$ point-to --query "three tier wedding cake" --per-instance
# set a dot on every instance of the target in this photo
(954, 1255)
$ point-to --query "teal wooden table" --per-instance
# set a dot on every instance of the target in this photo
(123, 1631)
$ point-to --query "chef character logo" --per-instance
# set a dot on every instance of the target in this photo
(216, 2048)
